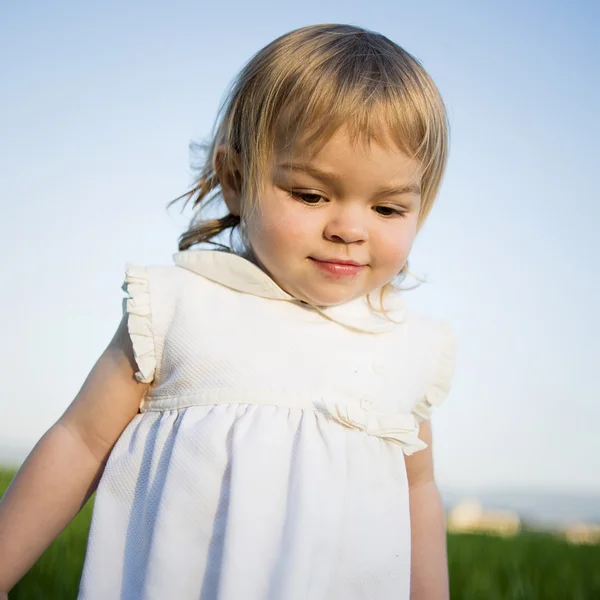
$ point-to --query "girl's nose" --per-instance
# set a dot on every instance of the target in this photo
(346, 226)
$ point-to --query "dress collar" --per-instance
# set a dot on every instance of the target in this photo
(235, 272)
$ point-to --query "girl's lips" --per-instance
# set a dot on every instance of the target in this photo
(338, 268)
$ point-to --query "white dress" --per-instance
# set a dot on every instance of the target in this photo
(267, 460)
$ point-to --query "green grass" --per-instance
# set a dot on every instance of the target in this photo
(56, 574)
(530, 566)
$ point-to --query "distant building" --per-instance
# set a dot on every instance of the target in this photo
(582, 533)
(469, 517)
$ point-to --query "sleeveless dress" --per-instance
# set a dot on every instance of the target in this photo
(267, 458)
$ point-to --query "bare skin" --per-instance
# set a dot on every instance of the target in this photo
(429, 561)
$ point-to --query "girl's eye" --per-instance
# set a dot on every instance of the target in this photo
(388, 211)
(306, 197)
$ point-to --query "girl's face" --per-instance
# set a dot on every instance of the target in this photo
(336, 226)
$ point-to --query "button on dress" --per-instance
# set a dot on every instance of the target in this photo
(267, 458)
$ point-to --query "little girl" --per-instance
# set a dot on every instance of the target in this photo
(258, 429)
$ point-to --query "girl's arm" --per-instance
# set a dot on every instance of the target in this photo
(429, 562)
(63, 469)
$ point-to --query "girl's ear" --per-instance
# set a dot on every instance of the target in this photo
(226, 166)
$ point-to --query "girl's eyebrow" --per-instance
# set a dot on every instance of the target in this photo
(335, 179)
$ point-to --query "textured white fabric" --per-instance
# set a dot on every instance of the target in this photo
(267, 461)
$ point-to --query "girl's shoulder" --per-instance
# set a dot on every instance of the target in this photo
(161, 285)
(159, 276)
(157, 298)
(433, 347)
(419, 327)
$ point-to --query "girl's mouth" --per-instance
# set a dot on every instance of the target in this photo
(339, 267)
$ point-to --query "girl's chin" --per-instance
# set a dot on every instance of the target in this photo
(325, 300)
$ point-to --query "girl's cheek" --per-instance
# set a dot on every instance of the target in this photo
(298, 222)
(398, 245)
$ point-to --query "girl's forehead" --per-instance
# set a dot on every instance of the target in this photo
(360, 167)
(337, 146)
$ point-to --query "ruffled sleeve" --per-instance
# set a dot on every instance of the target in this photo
(139, 321)
(439, 388)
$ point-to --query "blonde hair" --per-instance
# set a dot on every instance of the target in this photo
(297, 92)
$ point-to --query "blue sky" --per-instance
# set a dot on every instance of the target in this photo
(100, 101)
